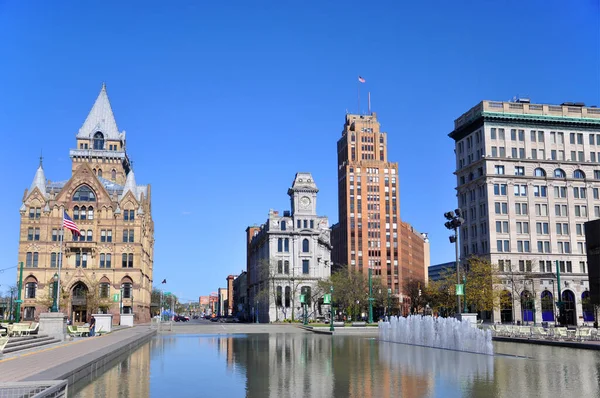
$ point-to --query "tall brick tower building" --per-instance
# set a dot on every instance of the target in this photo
(370, 233)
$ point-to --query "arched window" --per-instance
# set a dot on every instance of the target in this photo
(578, 174)
(76, 213)
(587, 307)
(84, 194)
(279, 296)
(113, 174)
(82, 213)
(539, 172)
(126, 289)
(89, 235)
(99, 173)
(30, 290)
(547, 306)
(82, 235)
(560, 173)
(98, 140)
(305, 246)
(104, 290)
(90, 213)
(283, 225)
(288, 295)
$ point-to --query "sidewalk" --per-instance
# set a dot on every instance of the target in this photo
(75, 359)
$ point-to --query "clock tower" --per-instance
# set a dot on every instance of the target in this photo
(303, 195)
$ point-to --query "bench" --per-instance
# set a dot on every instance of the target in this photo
(338, 324)
(359, 324)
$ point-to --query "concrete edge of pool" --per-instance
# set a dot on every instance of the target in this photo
(81, 366)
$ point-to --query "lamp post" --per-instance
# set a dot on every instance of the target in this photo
(332, 311)
(559, 303)
(454, 222)
(370, 297)
(389, 306)
(55, 293)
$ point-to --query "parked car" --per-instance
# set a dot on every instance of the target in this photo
(181, 318)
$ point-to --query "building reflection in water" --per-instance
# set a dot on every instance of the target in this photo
(128, 378)
(308, 365)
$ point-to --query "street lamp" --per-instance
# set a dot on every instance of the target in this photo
(389, 306)
(370, 297)
(332, 310)
(55, 292)
(454, 222)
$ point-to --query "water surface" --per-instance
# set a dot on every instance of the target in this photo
(309, 365)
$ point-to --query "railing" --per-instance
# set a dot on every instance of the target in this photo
(34, 389)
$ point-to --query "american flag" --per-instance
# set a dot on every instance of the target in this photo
(69, 224)
(361, 79)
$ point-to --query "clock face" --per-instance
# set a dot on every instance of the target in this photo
(304, 202)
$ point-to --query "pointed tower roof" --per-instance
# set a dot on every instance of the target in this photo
(303, 182)
(130, 185)
(39, 181)
(100, 118)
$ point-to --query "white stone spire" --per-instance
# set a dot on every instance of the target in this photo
(100, 118)
(130, 185)
(39, 181)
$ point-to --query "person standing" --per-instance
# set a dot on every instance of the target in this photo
(92, 326)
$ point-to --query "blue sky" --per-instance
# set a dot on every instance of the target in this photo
(223, 104)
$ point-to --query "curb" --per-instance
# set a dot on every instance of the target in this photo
(567, 344)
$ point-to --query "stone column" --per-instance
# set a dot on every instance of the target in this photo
(103, 323)
(53, 324)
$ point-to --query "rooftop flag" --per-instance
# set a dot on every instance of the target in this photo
(69, 224)
(361, 79)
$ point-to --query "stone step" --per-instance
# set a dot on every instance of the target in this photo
(19, 342)
(33, 344)
(26, 338)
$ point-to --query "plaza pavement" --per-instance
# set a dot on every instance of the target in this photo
(72, 359)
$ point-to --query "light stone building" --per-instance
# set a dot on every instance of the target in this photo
(111, 262)
(528, 178)
(288, 255)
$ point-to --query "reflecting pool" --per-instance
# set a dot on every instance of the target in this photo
(309, 365)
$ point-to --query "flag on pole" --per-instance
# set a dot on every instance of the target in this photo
(69, 224)
(164, 281)
(361, 79)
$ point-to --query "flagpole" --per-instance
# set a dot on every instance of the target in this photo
(358, 90)
(369, 102)
(62, 238)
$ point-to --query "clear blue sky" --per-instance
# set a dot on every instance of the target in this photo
(224, 103)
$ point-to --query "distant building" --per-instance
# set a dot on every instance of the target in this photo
(288, 255)
(240, 297)
(222, 301)
(437, 271)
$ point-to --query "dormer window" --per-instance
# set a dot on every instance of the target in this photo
(98, 140)
(84, 194)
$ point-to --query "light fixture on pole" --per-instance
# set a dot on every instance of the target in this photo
(454, 222)
(55, 293)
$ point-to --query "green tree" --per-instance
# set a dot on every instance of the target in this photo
(416, 291)
(441, 293)
(483, 285)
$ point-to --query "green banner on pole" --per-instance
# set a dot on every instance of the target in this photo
(302, 298)
(115, 298)
(460, 290)
(327, 298)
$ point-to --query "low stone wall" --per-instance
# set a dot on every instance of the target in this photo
(81, 367)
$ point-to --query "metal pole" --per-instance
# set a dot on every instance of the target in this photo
(60, 256)
(457, 268)
(559, 302)
(370, 297)
(332, 310)
(19, 301)
(465, 291)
